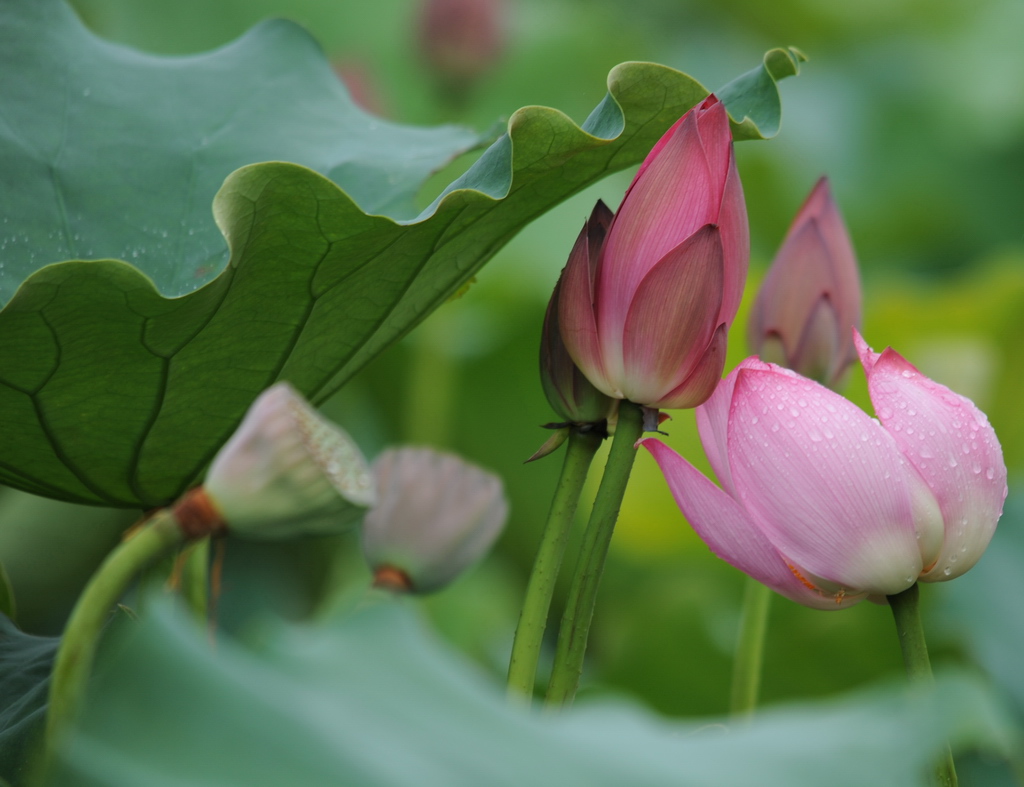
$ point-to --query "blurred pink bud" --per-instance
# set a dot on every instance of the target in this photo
(645, 309)
(569, 392)
(461, 39)
(362, 85)
(810, 299)
(827, 505)
(435, 515)
(286, 471)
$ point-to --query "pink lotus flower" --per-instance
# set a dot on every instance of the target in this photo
(645, 309)
(827, 505)
(810, 299)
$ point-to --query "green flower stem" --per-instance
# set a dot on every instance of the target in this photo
(579, 609)
(906, 612)
(195, 578)
(746, 669)
(522, 668)
(158, 537)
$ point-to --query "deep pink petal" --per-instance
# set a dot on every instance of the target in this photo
(954, 448)
(671, 320)
(731, 534)
(732, 220)
(576, 313)
(716, 137)
(713, 423)
(666, 204)
(704, 378)
(825, 481)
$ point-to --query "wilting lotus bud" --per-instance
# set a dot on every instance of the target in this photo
(435, 515)
(645, 307)
(461, 39)
(286, 471)
(809, 302)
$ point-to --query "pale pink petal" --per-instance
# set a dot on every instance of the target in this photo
(713, 423)
(731, 534)
(952, 445)
(576, 313)
(817, 352)
(825, 481)
(846, 297)
(704, 378)
(868, 357)
(796, 281)
(672, 318)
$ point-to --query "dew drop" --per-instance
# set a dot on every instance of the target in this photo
(990, 473)
(775, 427)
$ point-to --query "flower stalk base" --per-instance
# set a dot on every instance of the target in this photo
(906, 613)
(579, 609)
(522, 668)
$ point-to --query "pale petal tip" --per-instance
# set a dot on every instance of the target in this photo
(867, 356)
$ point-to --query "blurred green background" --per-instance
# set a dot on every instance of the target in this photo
(915, 110)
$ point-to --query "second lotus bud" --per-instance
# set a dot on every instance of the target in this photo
(809, 303)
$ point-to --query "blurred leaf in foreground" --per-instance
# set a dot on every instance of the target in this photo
(371, 699)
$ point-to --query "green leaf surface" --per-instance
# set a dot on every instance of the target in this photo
(373, 700)
(114, 393)
(25, 663)
(107, 152)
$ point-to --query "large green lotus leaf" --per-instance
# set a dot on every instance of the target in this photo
(112, 392)
(107, 152)
(373, 700)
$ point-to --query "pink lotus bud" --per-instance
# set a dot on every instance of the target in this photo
(645, 309)
(827, 505)
(461, 39)
(435, 515)
(286, 471)
(810, 300)
(569, 392)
